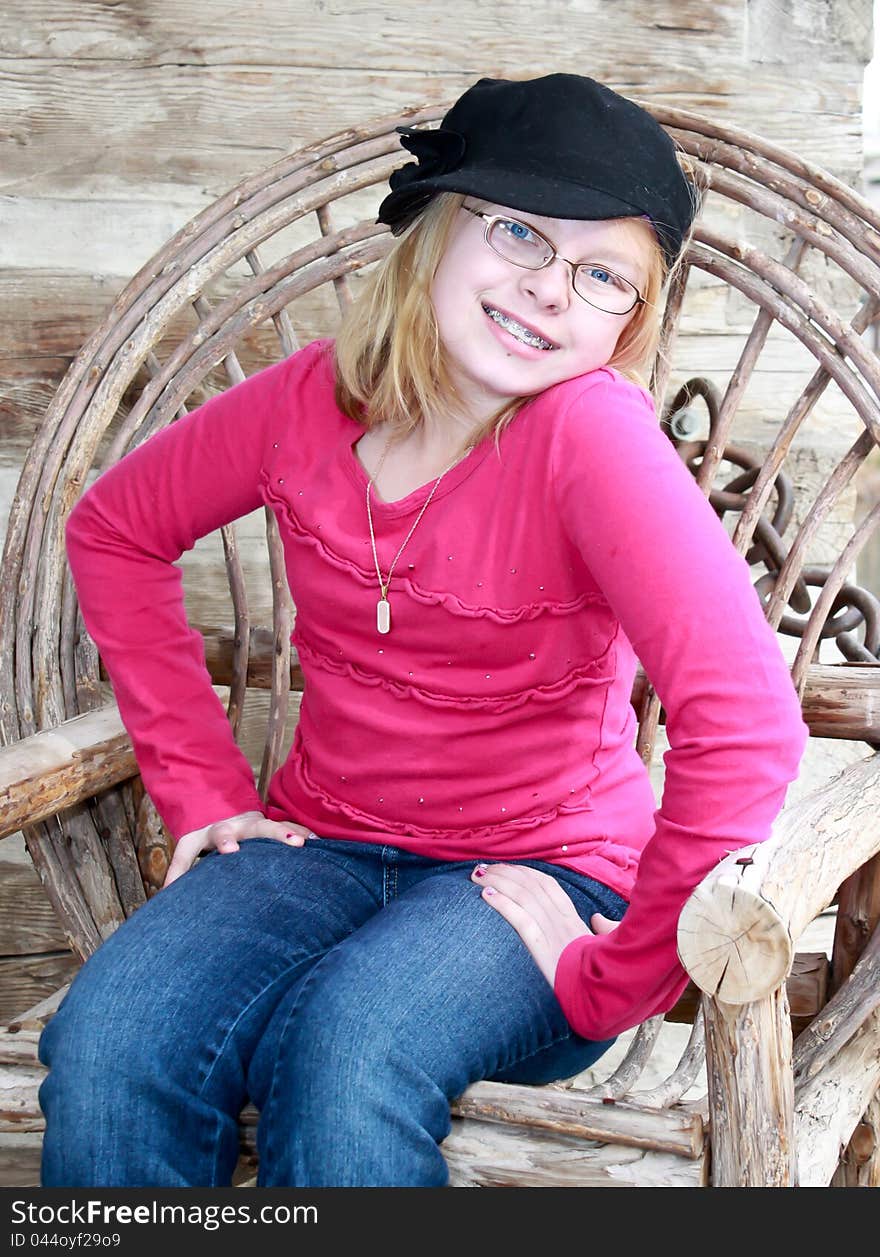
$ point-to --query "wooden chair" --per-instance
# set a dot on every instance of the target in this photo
(785, 253)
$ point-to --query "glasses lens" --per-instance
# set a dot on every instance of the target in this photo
(519, 244)
(604, 289)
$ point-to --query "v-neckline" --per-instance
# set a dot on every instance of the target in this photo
(416, 497)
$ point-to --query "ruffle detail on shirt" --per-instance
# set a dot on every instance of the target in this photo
(383, 824)
(622, 858)
(506, 615)
(427, 597)
(588, 674)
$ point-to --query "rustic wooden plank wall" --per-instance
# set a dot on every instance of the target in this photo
(120, 120)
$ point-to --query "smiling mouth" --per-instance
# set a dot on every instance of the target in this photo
(517, 330)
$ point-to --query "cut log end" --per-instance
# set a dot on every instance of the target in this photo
(733, 943)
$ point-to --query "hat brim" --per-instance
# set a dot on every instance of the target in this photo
(551, 198)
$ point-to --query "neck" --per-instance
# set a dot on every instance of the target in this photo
(450, 435)
(456, 426)
(438, 439)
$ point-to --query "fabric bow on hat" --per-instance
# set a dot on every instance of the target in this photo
(438, 151)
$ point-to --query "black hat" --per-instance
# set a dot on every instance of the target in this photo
(562, 146)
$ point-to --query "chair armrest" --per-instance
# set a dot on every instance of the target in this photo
(57, 768)
(736, 933)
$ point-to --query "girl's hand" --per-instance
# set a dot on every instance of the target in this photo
(539, 910)
(224, 836)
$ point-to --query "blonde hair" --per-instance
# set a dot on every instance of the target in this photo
(391, 366)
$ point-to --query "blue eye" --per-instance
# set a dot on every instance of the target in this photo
(598, 275)
(519, 231)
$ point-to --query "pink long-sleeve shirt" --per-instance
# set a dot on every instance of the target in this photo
(494, 721)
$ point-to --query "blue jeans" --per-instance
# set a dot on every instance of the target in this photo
(349, 990)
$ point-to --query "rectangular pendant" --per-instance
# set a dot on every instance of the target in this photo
(383, 615)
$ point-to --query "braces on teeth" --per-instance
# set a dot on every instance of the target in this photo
(516, 329)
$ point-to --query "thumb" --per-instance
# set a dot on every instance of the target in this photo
(602, 925)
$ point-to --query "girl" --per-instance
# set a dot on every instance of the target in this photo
(484, 529)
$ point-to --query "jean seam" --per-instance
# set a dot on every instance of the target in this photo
(259, 995)
(276, 1071)
(389, 880)
(245, 1009)
(283, 974)
(215, 1169)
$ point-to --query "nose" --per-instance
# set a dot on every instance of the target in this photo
(550, 286)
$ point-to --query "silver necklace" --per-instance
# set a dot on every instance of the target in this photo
(383, 607)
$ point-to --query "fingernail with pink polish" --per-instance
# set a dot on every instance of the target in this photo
(490, 890)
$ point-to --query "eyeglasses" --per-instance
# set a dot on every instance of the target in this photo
(522, 245)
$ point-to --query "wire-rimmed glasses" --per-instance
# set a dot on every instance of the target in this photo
(525, 246)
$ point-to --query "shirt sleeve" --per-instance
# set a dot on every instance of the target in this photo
(123, 539)
(683, 596)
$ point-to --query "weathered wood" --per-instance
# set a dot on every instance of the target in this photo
(843, 700)
(858, 916)
(631, 1068)
(26, 979)
(671, 1088)
(46, 315)
(219, 657)
(19, 1049)
(27, 386)
(35, 1018)
(736, 932)
(55, 769)
(807, 989)
(227, 79)
(573, 1112)
(89, 857)
(122, 153)
(481, 1155)
(19, 1107)
(34, 953)
(154, 844)
(806, 985)
(860, 1162)
(751, 1094)
(497, 1154)
(849, 1007)
(217, 32)
(52, 860)
(112, 828)
(830, 1105)
(27, 923)
(20, 1157)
